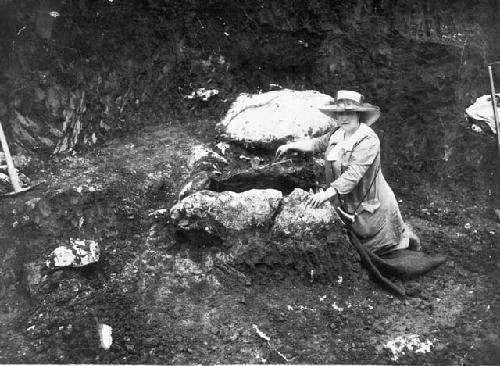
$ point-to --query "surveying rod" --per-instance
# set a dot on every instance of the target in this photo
(497, 128)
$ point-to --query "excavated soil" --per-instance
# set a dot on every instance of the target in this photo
(257, 315)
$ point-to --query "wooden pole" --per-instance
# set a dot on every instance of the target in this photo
(497, 128)
(14, 178)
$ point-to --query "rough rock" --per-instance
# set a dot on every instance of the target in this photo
(199, 181)
(298, 221)
(201, 154)
(204, 164)
(222, 147)
(404, 344)
(257, 209)
(5, 185)
(202, 94)
(20, 161)
(79, 253)
(24, 179)
(482, 110)
(4, 181)
(227, 211)
(275, 116)
(260, 227)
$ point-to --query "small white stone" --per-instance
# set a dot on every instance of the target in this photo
(105, 335)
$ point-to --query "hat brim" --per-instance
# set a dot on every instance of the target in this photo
(368, 113)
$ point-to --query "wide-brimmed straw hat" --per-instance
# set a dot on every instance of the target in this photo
(351, 101)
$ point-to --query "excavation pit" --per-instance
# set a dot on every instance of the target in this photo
(246, 181)
(259, 222)
(282, 177)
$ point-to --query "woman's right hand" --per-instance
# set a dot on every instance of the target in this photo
(282, 150)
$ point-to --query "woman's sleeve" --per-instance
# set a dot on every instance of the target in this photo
(321, 143)
(362, 157)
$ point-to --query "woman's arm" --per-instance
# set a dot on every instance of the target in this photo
(303, 146)
(311, 145)
(317, 199)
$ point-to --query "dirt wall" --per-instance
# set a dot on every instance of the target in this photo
(114, 67)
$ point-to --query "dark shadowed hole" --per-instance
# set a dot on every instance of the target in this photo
(285, 183)
(201, 237)
(198, 242)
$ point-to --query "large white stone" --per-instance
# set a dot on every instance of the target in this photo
(231, 215)
(213, 211)
(482, 110)
(275, 116)
(299, 221)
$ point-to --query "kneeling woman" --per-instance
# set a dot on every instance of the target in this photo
(354, 178)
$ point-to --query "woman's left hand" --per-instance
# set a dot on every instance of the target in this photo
(317, 199)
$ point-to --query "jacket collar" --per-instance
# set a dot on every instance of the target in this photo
(338, 137)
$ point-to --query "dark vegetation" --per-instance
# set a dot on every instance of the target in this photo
(108, 80)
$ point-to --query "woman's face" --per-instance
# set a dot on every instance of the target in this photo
(347, 120)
